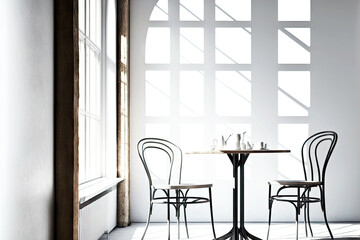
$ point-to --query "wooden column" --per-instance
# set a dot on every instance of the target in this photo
(66, 119)
(122, 65)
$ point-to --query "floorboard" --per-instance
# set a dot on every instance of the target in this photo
(202, 231)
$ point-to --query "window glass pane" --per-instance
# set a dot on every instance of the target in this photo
(124, 98)
(160, 12)
(82, 75)
(191, 45)
(98, 22)
(157, 45)
(192, 136)
(291, 136)
(82, 15)
(157, 93)
(82, 152)
(87, 17)
(87, 147)
(233, 45)
(94, 149)
(87, 78)
(124, 51)
(95, 22)
(90, 87)
(233, 10)
(191, 10)
(191, 93)
(294, 10)
(95, 84)
(123, 94)
(98, 84)
(294, 93)
(124, 151)
(292, 50)
(233, 93)
(124, 129)
(302, 35)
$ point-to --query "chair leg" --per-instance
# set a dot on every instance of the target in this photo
(297, 225)
(305, 220)
(178, 212)
(323, 208)
(211, 214)
(148, 220)
(308, 219)
(185, 219)
(168, 213)
(325, 218)
(270, 208)
(298, 209)
(178, 221)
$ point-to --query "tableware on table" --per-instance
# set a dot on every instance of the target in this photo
(249, 145)
(224, 143)
(214, 144)
(237, 143)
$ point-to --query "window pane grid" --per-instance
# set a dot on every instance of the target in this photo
(165, 69)
(90, 89)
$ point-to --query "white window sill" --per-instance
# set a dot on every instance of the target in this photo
(94, 188)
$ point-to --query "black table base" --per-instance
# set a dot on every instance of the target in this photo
(238, 232)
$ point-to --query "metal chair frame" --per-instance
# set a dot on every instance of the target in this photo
(311, 168)
(181, 197)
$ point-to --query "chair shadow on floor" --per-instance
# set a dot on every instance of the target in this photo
(337, 238)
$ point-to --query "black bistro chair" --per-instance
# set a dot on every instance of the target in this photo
(168, 189)
(315, 153)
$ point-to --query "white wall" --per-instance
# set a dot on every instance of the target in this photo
(26, 119)
(334, 104)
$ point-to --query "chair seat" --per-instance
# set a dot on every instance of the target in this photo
(295, 183)
(182, 186)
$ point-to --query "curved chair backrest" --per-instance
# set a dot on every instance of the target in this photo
(159, 154)
(316, 152)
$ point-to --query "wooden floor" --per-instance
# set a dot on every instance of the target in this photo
(280, 231)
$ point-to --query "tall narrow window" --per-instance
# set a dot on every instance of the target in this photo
(91, 113)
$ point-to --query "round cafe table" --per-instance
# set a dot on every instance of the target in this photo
(238, 159)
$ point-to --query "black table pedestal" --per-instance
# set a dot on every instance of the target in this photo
(238, 232)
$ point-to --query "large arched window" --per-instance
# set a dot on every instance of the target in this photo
(206, 68)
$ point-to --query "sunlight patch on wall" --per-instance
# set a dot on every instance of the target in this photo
(233, 45)
(191, 93)
(157, 49)
(291, 50)
(160, 12)
(191, 10)
(294, 93)
(233, 10)
(192, 45)
(157, 93)
(192, 136)
(233, 93)
(301, 33)
(158, 130)
(294, 10)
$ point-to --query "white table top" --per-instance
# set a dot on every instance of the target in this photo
(237, 151)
